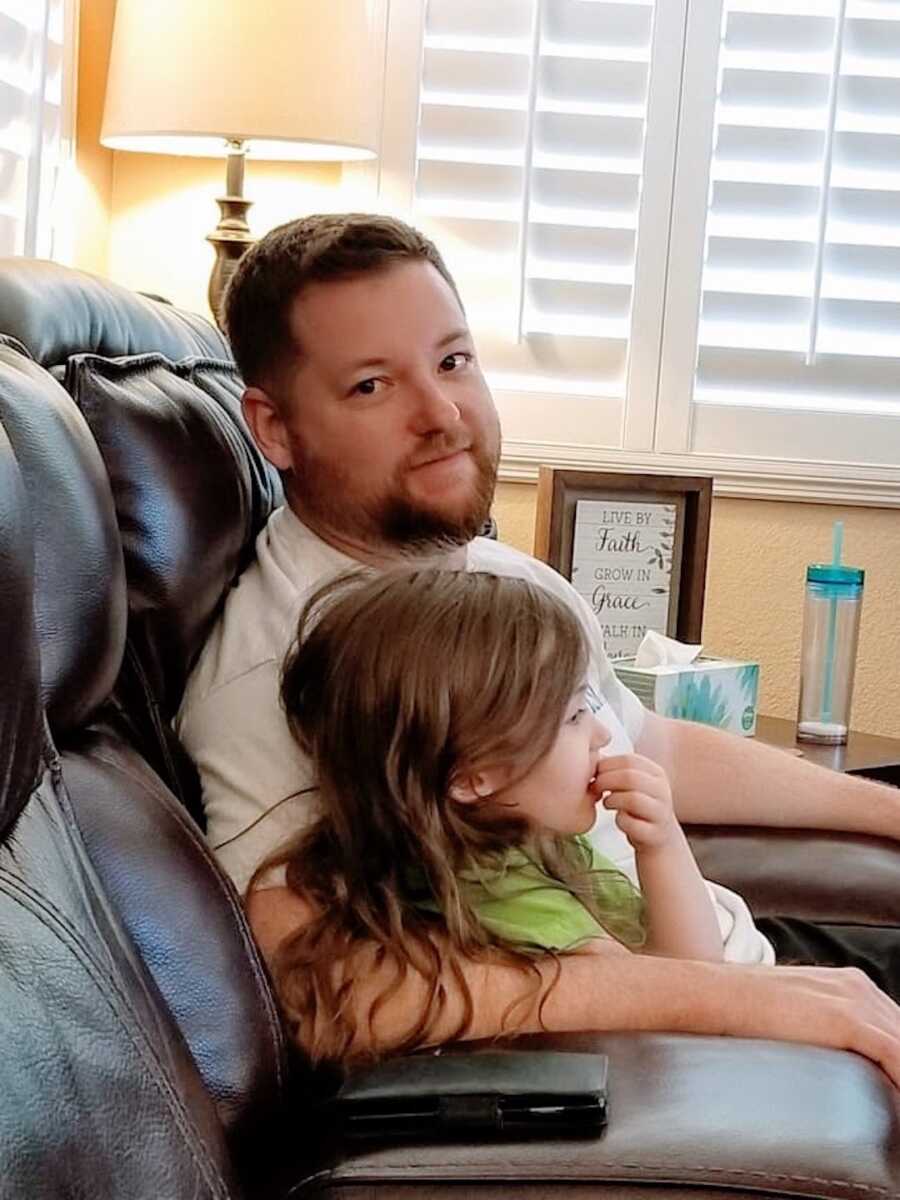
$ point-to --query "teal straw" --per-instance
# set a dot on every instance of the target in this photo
(837, 543)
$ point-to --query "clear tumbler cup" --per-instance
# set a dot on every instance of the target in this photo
(828, 652)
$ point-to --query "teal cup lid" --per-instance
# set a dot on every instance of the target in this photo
(833, 574)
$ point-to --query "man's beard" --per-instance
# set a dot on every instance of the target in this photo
(394, 519)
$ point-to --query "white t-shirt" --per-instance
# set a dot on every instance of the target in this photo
(259, 788)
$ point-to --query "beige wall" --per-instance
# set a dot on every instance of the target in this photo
(142, 221)
(758, 552)
(162, 208)
(94, 164)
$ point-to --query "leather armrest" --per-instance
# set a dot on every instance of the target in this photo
(817, 876)
(688, 1116)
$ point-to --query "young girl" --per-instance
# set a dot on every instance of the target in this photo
(459, 769)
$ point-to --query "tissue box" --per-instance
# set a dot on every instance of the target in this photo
(714, 691)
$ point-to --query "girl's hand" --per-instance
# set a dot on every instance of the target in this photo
(637, 790)
(681, 919)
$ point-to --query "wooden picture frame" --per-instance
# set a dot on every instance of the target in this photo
(644, 566)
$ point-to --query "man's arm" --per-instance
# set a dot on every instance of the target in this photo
(612, 991)
(720, 778)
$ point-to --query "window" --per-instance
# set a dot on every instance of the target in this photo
(676, 226)
(36, 82)
(533, 165)
(795, 342)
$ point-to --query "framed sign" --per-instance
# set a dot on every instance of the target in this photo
(634, 546)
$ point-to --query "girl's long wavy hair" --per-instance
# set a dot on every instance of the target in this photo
(396, 683)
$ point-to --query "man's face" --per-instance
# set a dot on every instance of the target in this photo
(390, 429)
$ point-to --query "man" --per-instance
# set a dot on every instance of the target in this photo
(363, 388)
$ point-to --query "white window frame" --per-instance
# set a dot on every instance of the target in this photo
(48, 221)
(662, 353)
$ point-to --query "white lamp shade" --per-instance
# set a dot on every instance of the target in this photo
(297, 79)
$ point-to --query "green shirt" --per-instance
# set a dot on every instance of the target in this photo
(519, 903)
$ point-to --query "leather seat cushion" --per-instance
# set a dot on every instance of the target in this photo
(21, 724)
(100, 1096)
(186, 921)
(814, 875)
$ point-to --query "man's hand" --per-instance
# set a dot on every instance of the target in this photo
(825, 1006)
(637, 790)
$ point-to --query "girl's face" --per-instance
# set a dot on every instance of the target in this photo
(556, 793)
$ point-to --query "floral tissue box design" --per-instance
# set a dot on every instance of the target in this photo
(714, 691)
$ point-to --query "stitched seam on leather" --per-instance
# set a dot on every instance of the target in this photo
(192, 361)
(114, 368)
(661, 1173)
(153, 707)
(13, 343)
(274, 1021)
(56, 923)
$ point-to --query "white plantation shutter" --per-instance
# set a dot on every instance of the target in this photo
(531, 166)
(789, 346)
(34, 110)
(676, 227)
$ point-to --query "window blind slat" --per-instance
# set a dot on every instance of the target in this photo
(499, 19)
(757, 90)
(869, 105)
(607, 24)
(778, 379)
(451, 128)
(620, 84)
(884, 10)
(461, 72)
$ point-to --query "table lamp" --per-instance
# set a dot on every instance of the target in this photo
(288, 80)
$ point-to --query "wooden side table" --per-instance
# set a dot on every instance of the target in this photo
(863, 754)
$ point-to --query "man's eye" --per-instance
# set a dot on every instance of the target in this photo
(453, 362)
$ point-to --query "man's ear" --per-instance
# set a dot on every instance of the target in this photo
(469, 787)
(267, 426)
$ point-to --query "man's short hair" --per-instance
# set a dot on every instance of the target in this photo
(314, 249)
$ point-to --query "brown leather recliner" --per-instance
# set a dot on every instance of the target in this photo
(142, 1050)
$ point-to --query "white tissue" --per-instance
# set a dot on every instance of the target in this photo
(657, 650)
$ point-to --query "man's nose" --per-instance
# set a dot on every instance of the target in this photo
(433, 410)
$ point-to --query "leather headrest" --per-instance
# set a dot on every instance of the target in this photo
(21, 721)
(79, 577)
(191, 492)
(56, 311)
